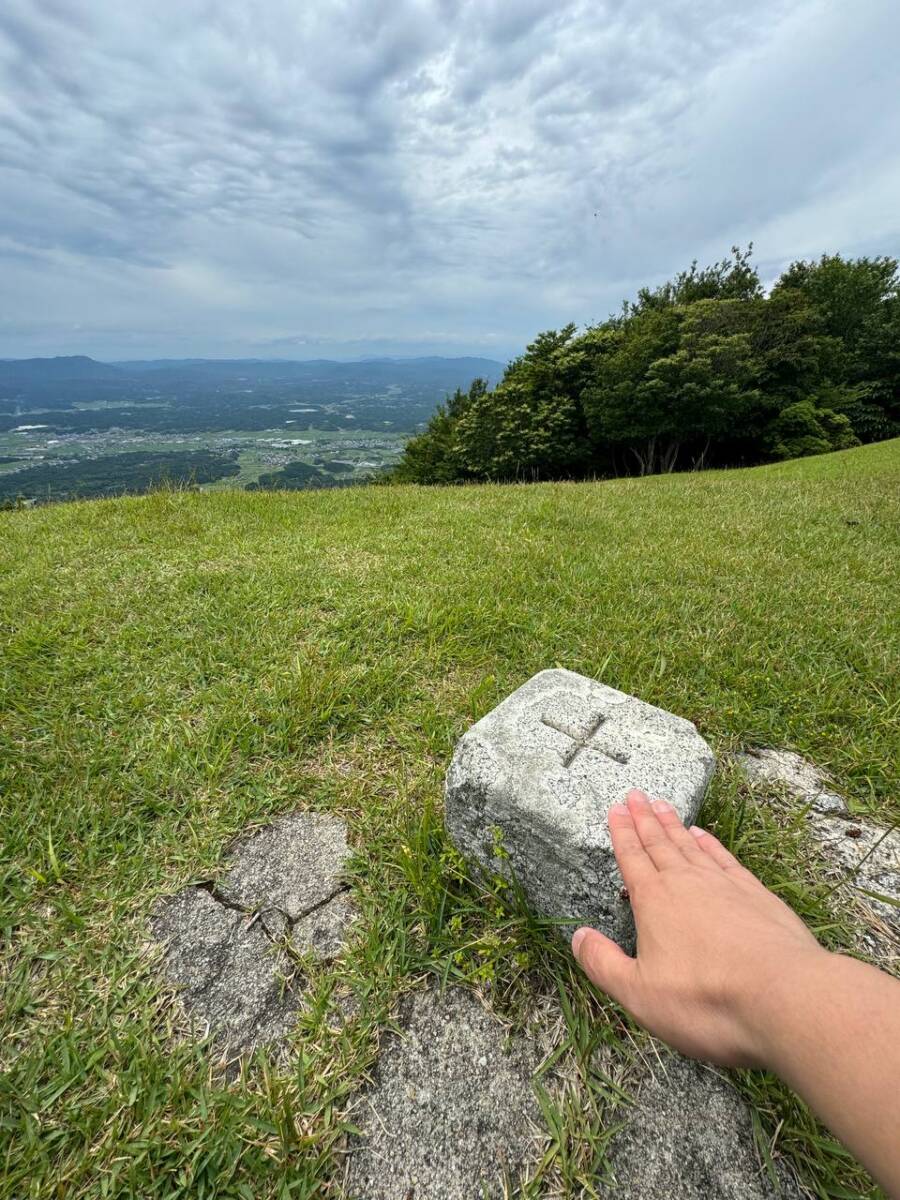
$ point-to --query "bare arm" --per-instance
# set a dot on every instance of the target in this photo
(727, 972)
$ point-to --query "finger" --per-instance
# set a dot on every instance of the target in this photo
(634, 862)
(713, 848)
(653, 837)
(679, 836)
(605, 964)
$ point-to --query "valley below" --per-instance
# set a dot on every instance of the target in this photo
(76, 428)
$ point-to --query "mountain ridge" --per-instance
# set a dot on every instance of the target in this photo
(82, 367)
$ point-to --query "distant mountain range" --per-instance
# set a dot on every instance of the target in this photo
(447, 373)
(55, 370)
(78, 395)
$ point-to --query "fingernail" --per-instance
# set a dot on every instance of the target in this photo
(697, 831)
(577, 938)
(618, 809)
(637, 796)
(662, 806)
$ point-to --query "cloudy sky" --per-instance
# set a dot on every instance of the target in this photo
(335, 178)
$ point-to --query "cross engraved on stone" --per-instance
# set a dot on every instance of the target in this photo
(581, 742)
(507, 774)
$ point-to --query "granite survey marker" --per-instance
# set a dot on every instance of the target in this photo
(225, 945)
(539, 774)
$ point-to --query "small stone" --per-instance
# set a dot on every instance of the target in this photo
(539, 773)
(798, 777)
(689, 1136)
(450, 1108)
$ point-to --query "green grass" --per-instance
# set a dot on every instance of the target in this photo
(179, 665)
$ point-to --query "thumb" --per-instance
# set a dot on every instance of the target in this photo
(605, 963)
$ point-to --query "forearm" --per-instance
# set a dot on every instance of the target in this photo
(725, 971)
(831, 1030)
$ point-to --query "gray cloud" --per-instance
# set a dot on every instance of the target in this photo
(421, 175)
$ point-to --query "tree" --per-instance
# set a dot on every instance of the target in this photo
(733, 278)
(704, 369)
(850, 294)
(802, 429)
(532, 425)
(432, 456)
(858, 304)
(794, 351)
(680, 377)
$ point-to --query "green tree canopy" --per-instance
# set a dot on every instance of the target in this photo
(703, 369)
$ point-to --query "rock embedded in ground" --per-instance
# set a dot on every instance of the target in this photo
(322, 932)
(451, 1108)
(867, 857)
(689, 1136)
(793, 773)
(224, 945)
(233, 982)
(863, 854)
(540, 773)
(293, 865)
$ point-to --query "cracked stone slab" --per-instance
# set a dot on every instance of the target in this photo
(543, 769)
(795, 774)
(232, 980)
(860, 851)
(451, 1107)
(323, 931)
(293, 865)
(689, 1136)
(225, 946)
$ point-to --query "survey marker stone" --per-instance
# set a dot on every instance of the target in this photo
(537, 777)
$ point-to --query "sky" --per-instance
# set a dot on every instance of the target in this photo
(313, 178)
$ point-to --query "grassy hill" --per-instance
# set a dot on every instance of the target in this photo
(179, 665)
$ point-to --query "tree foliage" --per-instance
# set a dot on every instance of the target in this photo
(705, 369)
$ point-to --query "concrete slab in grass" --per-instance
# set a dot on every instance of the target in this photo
(792, 772)
(451, 1113)
(232, 980)
(860, 857)
(293, 865)
(689, 1136)
(225, 945)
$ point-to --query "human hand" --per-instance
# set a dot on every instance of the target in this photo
(713, 944)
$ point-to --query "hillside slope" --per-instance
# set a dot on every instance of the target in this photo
(179, 665)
